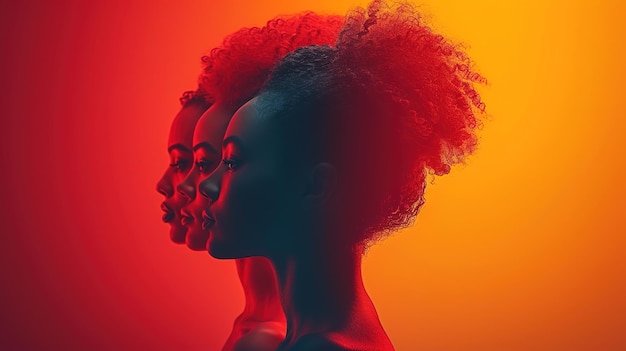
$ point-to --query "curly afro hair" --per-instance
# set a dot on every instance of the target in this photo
(390, 103)
(197, 97)
(235, 71)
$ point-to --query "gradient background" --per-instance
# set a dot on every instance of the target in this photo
(522, 249)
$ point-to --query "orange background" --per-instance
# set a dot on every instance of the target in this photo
(522, 249)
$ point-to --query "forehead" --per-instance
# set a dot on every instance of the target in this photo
(212, 125)
(254, 126)
(183, 126)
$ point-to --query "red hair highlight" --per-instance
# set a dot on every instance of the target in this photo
(422, 91)
(235, 71)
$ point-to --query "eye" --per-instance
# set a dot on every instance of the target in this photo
(180, 165)
(230, 164)
(204, 166)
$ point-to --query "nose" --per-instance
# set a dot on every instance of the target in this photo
(210, 187)
(164, 187)
(187, 188)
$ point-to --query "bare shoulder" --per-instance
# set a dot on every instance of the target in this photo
(263, 337)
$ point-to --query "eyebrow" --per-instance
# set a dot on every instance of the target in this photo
(233, 139)
(206, 146)
(180, 147)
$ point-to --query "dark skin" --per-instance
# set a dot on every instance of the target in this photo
(206, 141)
(261, 326)
(292, 217)
(179, 147)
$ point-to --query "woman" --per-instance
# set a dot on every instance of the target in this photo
(179, 148)
(232, 74)
(332, 155)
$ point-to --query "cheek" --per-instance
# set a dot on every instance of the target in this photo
(251, 203)
(178, 201)
(178, 178)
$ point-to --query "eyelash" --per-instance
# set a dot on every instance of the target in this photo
(179, 166)
(230, 164)
(203, 166)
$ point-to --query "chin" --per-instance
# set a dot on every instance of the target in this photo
(223, 250)
(197, 240)
(178, 234)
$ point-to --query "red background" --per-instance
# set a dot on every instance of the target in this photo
(520, 250)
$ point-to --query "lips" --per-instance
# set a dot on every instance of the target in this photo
(186, 218)
(169, 214)
(207, 220)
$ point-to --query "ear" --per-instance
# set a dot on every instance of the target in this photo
(322, 183)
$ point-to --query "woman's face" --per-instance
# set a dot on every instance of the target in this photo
(207, 143)
(179, 147)
(256, 193)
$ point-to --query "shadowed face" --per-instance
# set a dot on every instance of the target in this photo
(179, 147)
(256, 193)
(207, 141)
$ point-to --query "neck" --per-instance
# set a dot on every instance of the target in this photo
(260, 290)
(322, 291)
(263, 306)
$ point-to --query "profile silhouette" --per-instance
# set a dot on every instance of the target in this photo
(179, 148)
(232, 74)
(332, 155)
